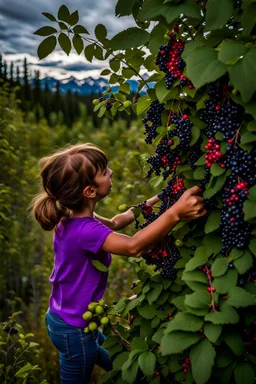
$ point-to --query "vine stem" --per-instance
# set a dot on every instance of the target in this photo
(124, 341)
(188, 29)
(209, 276)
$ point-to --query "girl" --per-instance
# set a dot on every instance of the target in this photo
(74, 180)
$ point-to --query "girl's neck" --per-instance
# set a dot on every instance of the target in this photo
(87, 211)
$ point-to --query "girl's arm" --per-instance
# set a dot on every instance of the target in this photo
(189, 206)
(117, 222)
(153, 200)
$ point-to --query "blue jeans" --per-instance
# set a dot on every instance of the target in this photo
(78, 351)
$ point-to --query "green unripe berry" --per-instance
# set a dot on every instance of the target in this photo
(96, 101)
(99, 310)
(93, 326)
(87, 316)
(178, 243)
(234, 91)
(104, 320)
(127, 104)
(92, 306)
(122, 208)
(86, 330)
(167, 37)
(101, 303)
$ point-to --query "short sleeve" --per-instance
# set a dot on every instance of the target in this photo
(93, 234)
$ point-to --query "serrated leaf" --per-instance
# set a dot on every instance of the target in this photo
(147, 311)
(230, 51)
(177, 342)
(245, 69)
(195, 276)
(78, 29)
(46, 47)
(226, 315)
(184, 321)
(199, 299)
(100, 32)
(202, 357)
(63, 13)
(213, 221)
(73, 18)
(203, 66)
(45, 31)
(147, 362)
(129, 38)
(244, 373)
(99, 265)
(212, 331)
(225, 282)
(187, 8)
(49, 16)
(219, 267)
(217, 13)
(200, 258)
(143, 104)
(78, 43)
(89, 52)
(244, 263)
(234, 341)
(154, 293)
(238, 297)
(124, 7)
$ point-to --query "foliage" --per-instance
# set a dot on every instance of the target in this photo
(18, 355)
(199, 326)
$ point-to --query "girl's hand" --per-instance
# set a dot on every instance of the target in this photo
(190, 205)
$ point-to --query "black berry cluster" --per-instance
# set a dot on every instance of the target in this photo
(152, 121)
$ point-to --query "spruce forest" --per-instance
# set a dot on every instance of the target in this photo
(194, 317)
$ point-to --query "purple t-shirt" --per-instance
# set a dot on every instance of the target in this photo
(75, 281)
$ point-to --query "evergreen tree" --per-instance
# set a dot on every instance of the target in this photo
(11, 73)
(1, 66)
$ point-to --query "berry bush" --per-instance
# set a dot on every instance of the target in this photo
(194, 318)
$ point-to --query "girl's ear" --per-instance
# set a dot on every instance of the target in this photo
(89, 192)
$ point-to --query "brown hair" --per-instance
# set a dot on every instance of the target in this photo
(64, 175)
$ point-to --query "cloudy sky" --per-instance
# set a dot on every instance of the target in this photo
(20, 18)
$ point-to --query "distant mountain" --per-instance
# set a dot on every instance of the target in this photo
(86, 86)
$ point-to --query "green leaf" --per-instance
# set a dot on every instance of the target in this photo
(139, 343)
(234, 341)
(187, 8)
(219, 267)
(105, 72)
(129, 371)
(249, 209)
(177, 342)
(218, 184)
(248, 137)
(252, 246)
(179, 302)
(63, 26)
(199, 299)
(143, 104)
(202, 357)
(149, 63)
(125, 88)
(244, 263)
(78, 43)
(151, 9)
(217, 13)
(63, 13)
(46, 47)
(129, 38)
(89, 52)
(226, 315)
(154, 293)
(100, 32)
(156, 38)
(194, 276)
(108, 376)
(248, 17)
(99, 265)
(127, 73)
(25, 369)
(49, 16)
(64, 42)
(238, 297)
(120, 360)
(73, 18)
(147, 311)
(147, 362)
(225, 282)
(110, 341)
(190, 47)
(199, 173)
(78, 29)
(45, 31)
(230, 51)
(184, 321)
(114, 64)
(252, 192)
(234, 254)
(162, 92)
(244, 373)
(124, 7)
(200, 258)
(195, 134)
(216, 170)
(213, 221)
(203, 66)
(212, 331)
(243, 75)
